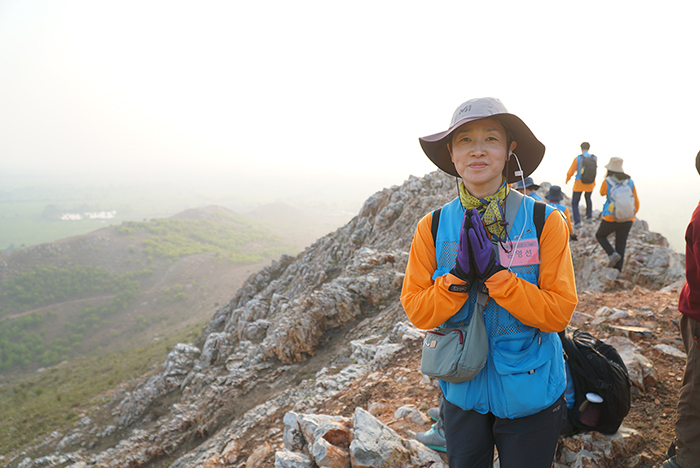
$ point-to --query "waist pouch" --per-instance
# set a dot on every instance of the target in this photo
(457, 354)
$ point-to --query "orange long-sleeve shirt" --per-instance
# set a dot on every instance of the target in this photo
(578, 185)
(548, 307)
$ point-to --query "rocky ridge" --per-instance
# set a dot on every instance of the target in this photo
(328, 326)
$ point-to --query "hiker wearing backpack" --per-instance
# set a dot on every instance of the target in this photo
(496, 254)
(553, 197)
(621, 206)
(685, 453)
(584, 166)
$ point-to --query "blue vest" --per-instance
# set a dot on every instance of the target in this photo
(536, 196)
(524, 373)
(559, 207)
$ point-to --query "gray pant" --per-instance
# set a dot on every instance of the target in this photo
(688, 422)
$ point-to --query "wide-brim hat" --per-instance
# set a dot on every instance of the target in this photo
(615, 165)
(529, 149)
(529, 183)
(554, 193)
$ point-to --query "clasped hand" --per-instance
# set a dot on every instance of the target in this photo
(476, 256)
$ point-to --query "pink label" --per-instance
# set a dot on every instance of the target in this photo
(524, 252)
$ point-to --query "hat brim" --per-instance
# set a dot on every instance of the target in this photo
(529, 150)
(614, 168)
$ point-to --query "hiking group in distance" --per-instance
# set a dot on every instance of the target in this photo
(491, 273)
(621, 201)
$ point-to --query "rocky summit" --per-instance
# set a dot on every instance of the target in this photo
(314, 363)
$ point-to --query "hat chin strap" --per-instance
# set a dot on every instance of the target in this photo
(504, 223)
(520, 173)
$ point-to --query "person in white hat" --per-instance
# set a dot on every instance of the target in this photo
(621, 206)
(508, 251)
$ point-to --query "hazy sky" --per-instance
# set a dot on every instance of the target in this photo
(296, 91)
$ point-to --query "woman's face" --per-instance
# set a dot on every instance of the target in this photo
(479, 151)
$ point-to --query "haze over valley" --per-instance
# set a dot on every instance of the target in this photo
(37, 208)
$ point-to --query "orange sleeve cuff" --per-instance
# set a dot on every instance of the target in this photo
(428, 303)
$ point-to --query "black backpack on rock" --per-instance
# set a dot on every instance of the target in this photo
(588, 169)
(596, 368)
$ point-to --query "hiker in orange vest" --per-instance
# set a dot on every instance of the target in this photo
(582, 182)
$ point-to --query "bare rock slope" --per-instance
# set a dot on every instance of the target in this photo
(320, 332)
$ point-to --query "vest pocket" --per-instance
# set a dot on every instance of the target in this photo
(523, 377)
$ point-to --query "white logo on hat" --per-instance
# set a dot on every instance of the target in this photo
(465, 109)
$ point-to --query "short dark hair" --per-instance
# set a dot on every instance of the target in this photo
(697, 162)
(585, 146)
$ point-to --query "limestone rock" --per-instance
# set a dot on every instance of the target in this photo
(412, 414)
(671, 351)
(327, 454)
(256, 459)
(640, 369)
(288, 459)
(592, 449)
(376, 445)
(294, 440)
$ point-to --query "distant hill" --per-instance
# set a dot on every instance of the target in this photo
(210, 213)
(120, 286)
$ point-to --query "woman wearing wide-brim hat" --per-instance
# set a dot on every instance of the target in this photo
(621, 206)
(485, 245)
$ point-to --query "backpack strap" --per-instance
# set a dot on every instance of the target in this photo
(579, 163)
(515, 198)
(538, 217)
(435, 223)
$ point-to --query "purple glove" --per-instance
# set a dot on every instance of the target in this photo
(463, 268)
(483, 254)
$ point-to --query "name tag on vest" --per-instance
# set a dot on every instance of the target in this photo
(525, 252)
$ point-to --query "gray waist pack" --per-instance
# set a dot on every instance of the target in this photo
(457, 354)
